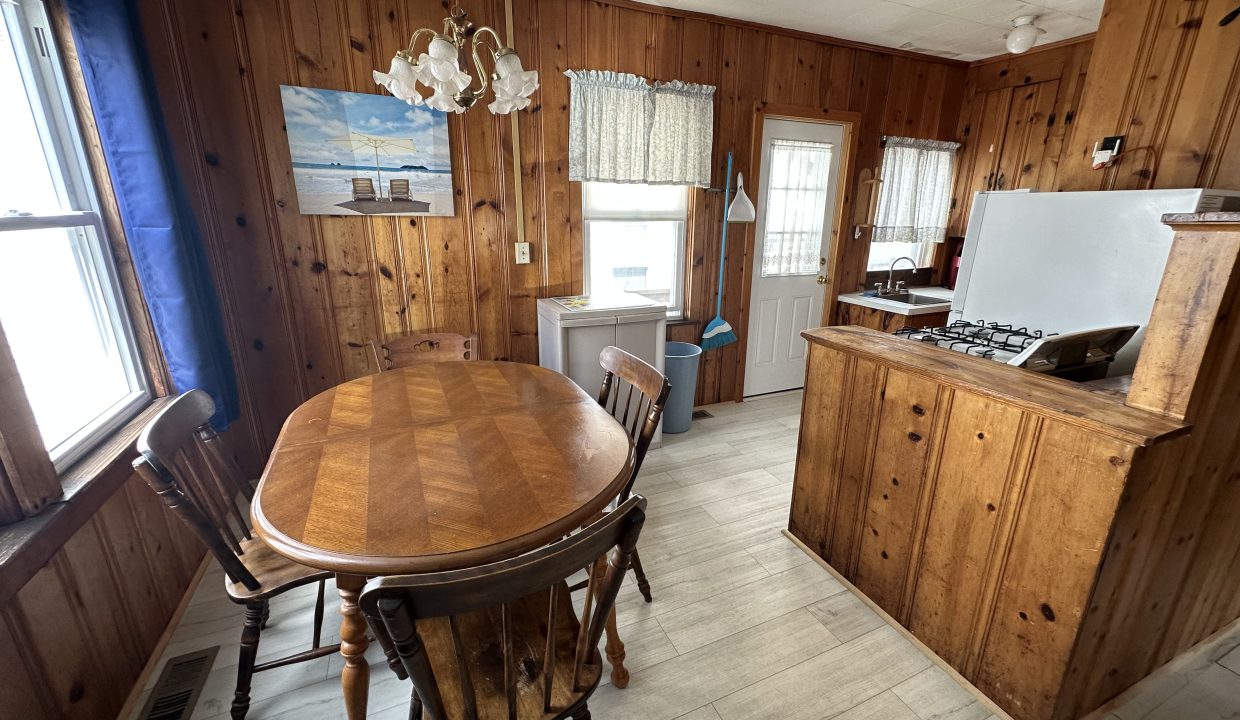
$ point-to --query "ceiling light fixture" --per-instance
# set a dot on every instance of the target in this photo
(439, 68)
(1023, 34)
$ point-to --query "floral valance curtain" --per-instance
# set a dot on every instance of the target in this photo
(915, 195)
(624, 130)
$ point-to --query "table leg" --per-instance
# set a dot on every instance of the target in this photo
(355, 677)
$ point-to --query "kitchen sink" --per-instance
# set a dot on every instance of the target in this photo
(913, 299)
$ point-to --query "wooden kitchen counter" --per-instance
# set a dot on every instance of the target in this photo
(1062, 399)
(1052, 543)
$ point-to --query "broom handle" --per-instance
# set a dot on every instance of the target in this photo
(723, 249)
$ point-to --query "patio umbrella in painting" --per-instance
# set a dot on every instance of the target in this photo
(377, 143)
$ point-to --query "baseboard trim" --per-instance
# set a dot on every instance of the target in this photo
(152, 662)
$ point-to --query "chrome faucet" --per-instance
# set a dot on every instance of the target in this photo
(894, 287)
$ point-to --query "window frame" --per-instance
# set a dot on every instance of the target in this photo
(675, 311)
(40, 61)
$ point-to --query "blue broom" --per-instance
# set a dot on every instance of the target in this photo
(718, 332)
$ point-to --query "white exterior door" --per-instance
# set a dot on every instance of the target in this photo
(796, 210)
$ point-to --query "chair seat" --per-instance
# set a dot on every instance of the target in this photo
(481, 635)
(274, 572)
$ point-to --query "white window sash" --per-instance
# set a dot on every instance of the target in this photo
(39, 62)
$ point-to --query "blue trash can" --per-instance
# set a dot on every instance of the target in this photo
(681, 361)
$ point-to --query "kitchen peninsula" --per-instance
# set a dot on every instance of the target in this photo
(1052, 543)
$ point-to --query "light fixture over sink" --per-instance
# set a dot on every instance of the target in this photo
(439, 68)
(1023, 34)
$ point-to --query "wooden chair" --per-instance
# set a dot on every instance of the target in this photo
(364, 189)
(423, 347)
(502, 640)
(181, 459)
(399, 190)
(635, 393)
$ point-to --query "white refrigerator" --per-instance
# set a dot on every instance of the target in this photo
(572, 332)
(1068, 261)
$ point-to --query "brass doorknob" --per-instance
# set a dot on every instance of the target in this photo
(822, 279)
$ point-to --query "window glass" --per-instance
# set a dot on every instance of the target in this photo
(635, 241)
(61, 308)
(31, 189)
(796, 207)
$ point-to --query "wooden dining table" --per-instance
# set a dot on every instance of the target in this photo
(434, 467)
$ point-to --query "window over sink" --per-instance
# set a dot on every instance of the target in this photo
(914, 199)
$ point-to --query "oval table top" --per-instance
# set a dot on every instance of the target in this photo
(438, 466)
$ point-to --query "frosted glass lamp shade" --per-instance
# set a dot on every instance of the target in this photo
(741, 210)
(400, 80)
(438, 70)
(513, 84)
(1023, 35)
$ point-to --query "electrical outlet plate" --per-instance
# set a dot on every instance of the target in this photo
(522, 253)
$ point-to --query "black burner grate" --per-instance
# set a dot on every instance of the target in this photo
(980, 338)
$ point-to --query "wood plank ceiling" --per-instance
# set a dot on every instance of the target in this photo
(303, 294)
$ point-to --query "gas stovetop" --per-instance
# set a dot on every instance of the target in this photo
(1085, 353)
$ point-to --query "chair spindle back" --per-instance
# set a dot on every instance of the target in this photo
(634, 393)
(397, 607)
(181, 458)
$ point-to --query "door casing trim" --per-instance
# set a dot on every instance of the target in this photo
(849, 121)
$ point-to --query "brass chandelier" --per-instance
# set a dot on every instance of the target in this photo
(439, 69)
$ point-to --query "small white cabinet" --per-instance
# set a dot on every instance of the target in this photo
(572, 332)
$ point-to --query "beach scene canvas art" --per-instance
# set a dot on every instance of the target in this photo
(361, 154)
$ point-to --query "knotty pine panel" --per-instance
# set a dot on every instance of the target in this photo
(303, 294)
(77, 634)
(897, 477)
(816, 482)
(1016, 113)
(1162, 73)
(864, 400)
(971, 486)
(1045, 587)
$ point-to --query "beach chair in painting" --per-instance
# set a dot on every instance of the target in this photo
(363, 189)
(399, 190)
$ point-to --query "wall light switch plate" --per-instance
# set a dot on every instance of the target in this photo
(523, 253)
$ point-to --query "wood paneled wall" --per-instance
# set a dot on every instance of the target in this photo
(302, 294)
(76, 636)
(1166, 76)
(1162, 73)
(1017, 112)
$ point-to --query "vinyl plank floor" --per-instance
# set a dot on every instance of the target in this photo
(933, 695)
(831, 682)
(743, 624)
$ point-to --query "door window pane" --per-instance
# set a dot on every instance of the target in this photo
(798, 177)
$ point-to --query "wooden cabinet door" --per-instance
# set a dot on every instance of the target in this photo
(1024, 140)
(983, 137)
